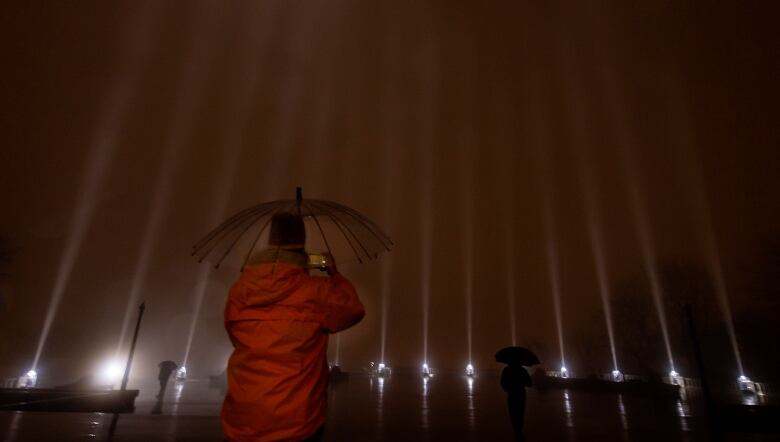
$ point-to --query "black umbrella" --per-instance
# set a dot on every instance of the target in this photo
(517, 356)
(168, 365)
(339, 230)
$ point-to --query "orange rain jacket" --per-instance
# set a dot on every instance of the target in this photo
(278, 318)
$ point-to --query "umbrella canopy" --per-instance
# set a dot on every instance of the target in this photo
(517, 356)
(343, 232)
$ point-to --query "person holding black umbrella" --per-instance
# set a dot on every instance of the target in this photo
(166, 368)
(514, 380)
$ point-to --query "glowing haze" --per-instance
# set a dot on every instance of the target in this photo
(529, 161)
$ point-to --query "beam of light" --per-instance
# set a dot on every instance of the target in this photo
(187, 100)
(582, 141)
(625, 145)
(551, 251)
(648, 255)
(691, 168)
(385, 293)
(320, 134)
(540, 134)
(429, 72)
(111, 118)
(466, 141)
(389, 185)
(716, 269)
(426, 251)
(509, 241)
(467, 215)
(386, 270)
(510, 290)
(296, 40)
(553, 272)
(204, 274)
(597, 246)
(468, 272)
(238, 101)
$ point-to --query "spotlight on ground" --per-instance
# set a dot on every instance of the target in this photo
(564, 372)
(746, 385)
(181, 374)
(29, 379)
(675, 378)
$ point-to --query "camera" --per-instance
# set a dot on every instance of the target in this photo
(317, 261)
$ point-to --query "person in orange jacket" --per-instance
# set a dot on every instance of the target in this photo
(278, 318)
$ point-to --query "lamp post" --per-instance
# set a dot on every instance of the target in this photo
(141, 309)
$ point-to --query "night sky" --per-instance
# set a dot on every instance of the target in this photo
(474, 116)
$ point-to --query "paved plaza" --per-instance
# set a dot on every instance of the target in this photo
(399, 408)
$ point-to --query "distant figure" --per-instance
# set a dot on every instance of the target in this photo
(655, 384)
(219, 382)
(514, 379)
(166, 368)
(278, 318)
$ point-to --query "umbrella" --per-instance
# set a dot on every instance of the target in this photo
(517, 356)
(168, 365)
(340, 230)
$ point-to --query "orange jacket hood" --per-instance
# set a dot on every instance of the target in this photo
(267, 284)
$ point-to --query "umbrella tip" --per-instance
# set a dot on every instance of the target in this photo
(298, 194)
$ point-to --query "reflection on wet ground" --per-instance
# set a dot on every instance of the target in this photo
(399, 407)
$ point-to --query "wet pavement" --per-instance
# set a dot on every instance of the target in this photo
(400, 407)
